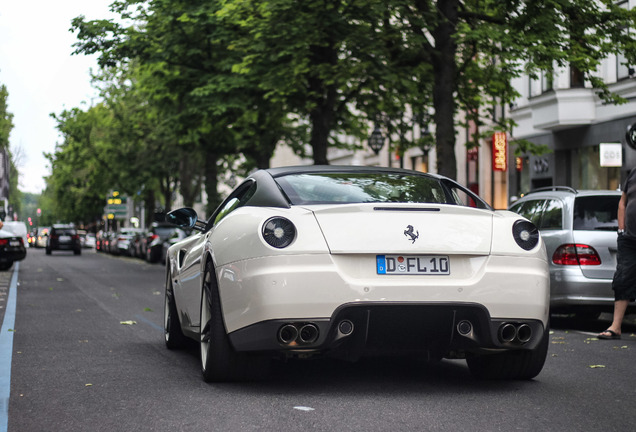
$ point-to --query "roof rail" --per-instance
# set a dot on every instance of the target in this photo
(554, 188)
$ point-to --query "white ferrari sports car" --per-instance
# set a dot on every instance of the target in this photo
(358, 261)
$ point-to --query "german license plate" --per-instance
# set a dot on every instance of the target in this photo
(14, 243)
(65, 238)
(413, 264)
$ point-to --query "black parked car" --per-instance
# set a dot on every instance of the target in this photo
(11, 249)
(63, 237)
(158, 233)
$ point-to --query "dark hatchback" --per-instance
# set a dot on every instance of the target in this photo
(63, 237)
(11, 249)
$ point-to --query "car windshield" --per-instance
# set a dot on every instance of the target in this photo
(596, 213)
(346, 188)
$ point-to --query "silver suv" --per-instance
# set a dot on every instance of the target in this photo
(579, 231)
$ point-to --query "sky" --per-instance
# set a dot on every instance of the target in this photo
(42, 77)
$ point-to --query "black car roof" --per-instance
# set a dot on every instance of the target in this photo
(304, 169)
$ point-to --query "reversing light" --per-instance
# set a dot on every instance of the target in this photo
(279, 232)
(525, 234)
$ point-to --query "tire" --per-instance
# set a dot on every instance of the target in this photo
(77, 252)
(174, 337)
(219, 361)
(6, 266)
(511, 365)
(48, 251)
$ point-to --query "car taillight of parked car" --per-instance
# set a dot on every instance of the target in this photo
(576, 254)
(4, 242)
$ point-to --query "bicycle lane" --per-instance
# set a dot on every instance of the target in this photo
(8, 295)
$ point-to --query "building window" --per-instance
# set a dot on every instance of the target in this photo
(577, 79)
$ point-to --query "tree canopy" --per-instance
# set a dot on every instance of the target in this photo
(192, 88)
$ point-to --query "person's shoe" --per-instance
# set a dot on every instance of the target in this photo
(609, 334)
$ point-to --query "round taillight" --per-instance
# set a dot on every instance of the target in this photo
(525, 234)
(279, 232)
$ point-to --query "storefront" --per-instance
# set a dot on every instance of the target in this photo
(591, 157)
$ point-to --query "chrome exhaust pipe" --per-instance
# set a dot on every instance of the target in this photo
(345, 327)
(464, 328)
(507, 332)
(308, 333)
(524, 333)
(287, 334)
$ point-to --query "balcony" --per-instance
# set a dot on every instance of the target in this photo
(564, 108)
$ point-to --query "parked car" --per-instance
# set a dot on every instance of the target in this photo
(355, 261)
(100, 241)
(138, 244)
(18, 228)
(42, 237)
(153, 244)
(89, 240)
(121, 243)
(579, 228)
(12, 248)
(63, 237)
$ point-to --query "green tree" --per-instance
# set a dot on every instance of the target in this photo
(332, 65)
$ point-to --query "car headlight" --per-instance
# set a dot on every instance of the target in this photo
(526, 234)
(279, 232)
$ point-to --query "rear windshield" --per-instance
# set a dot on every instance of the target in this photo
(348, 188)
(64, 231)
(596, 213)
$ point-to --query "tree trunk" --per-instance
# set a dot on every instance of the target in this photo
(445, 70)
(211, 182)
(322, 115)
(189, 175)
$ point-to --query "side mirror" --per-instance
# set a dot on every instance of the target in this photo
(184, 217)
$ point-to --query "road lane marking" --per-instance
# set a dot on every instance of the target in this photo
(6, 348)
(150, 323)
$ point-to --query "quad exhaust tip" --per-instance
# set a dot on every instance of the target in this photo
(514, 333)
(295, 334)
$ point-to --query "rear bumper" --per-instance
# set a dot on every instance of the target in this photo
(12, 254)
(357, 330)
(317, 287)
(570, 288)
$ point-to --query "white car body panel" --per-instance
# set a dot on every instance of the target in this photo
(258, 282)
(302, 268)
(360, 228)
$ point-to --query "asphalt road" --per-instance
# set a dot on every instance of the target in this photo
(88, 355)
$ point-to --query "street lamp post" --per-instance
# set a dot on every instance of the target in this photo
(376, 140)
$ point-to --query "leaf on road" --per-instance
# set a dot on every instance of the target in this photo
(130, 322)
(597, 366)
(60, 280)
(147, 310)
(88, 385)
(303, 408)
